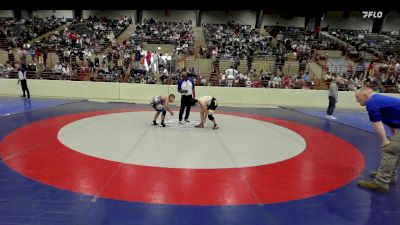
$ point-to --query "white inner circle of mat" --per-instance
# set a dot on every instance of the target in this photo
(129, 138)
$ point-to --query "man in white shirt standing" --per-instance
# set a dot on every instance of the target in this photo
(22, 79)
(231, 74)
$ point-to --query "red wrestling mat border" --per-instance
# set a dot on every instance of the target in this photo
(326, 164)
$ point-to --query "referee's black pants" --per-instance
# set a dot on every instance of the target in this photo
(185, 103)
(24, 87)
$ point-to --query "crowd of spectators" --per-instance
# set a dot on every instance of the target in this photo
(179, 34)
(379, 45)
(128, 61)
(19, 32)
(235, 40)
(382, 76)
(80, 40)
(233, 78)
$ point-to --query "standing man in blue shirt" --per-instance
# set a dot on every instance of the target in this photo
(186, 88)
(383, 110)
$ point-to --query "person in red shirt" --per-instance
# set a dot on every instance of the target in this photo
(72, 37)
(286, 82)
(371, 69)
(317, 30)
(38, 53)
(142, 60)
(148, 58)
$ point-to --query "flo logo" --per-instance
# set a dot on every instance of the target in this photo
(372, 14)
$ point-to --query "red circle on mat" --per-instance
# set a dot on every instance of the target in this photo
(326, 164)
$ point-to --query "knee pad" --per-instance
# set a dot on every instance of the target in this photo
(164, 112)
(210, 117)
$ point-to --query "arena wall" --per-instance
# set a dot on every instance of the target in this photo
(171, 15)
(274, 20)
(246, 17)
(68, 14)
(141, 93)
(391, 22)
(355, 21)
(6, 14)
(110, 14)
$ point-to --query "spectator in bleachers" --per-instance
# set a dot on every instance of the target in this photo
(350, 67)
(351, 84)
(264, 79)
(161, 62)
(10, 54)
(248, 83)
(8, 67)
(164, 76)
(286, 82)
(2, 35)
(306, 77)
(222, 80)
(231, 75)
(66, 71)
(303, 65)
(361, 69)
(58, 68)
(148, 58)
(154, 62)
(276, 81)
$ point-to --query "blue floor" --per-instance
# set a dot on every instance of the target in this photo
(357, 119)
(11, 105)
(26, 202)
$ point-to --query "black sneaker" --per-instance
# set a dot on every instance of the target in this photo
(187, 121)
(155, 123)
(163, 124)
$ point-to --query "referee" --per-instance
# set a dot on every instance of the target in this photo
(22, 79)
(186, 88)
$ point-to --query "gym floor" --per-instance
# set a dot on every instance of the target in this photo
(71, 162)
